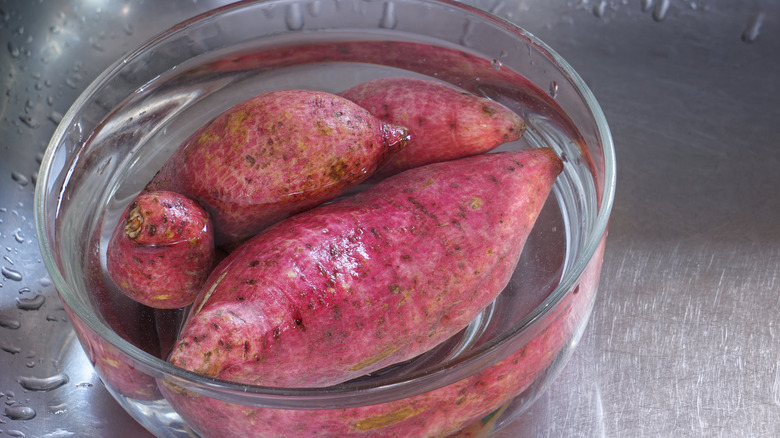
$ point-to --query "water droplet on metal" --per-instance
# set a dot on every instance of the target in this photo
(753, 28)
(13, 349)
(33, 303)
(496, 64)
(18, 233)
(60, 408)
(660, 10)
(9, 323)
(599, 8)
(29, 121)
(13, 50)
(15, 433)
(55, 117)
(96, 44)
(553, 89)
(45, 281)
(19, 413)
(20, 179)
(30, 364)
(11, 274)
(646, 5)
(388, 20)
(84, 385)
(43, 383)
(294, 17)
(465, 38)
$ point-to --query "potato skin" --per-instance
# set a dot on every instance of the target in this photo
(277, 154)
(162, 250)
(353, 286)
(444, 123)
(435, 414)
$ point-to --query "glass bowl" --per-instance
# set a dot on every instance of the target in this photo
(133, 116)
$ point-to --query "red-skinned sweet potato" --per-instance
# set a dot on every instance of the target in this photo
(162, 250)
(444, 123)
(434, 414)
(353, 286)
(277, 154)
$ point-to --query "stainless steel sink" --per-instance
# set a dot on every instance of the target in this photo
(683, 340)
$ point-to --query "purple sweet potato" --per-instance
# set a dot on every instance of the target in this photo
(434, 414)
(444, 123)
(162, 250)
(277, 154)
(367, 281)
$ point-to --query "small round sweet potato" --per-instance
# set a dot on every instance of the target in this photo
(162, 250)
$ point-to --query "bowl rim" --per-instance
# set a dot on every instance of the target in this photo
(339, 395)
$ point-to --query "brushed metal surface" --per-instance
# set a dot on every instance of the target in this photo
(684, 339)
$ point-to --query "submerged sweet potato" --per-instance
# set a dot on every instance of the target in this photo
(444, 123)
(434, 414)
(277, 154)
(367, 281)
(162, 250)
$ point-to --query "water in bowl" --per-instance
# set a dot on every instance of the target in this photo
(135, 139)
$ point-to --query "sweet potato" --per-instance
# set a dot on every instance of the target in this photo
(277, 154)
(162, 250)
(433, 414)
(444, 123)
(367, 281)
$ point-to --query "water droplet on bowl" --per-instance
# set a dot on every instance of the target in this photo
(496, 64)
(294, 17)
(43, 383)
(388, 20)
(553, 89)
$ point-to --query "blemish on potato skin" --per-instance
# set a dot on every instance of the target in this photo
(388, 419)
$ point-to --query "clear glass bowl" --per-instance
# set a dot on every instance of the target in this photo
(131, 118)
